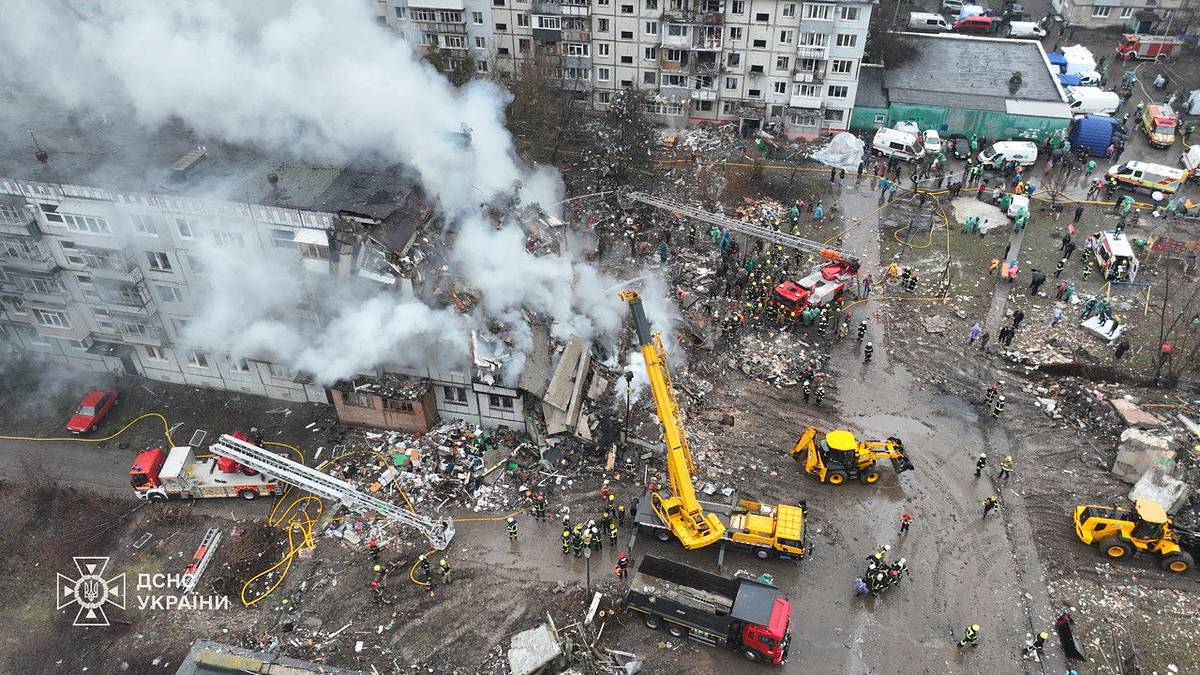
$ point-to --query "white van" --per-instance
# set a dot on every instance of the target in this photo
(1023, 153)
(898, 144)
(1090, 100)
(930, 23)
(1026, 29)
(970, 10)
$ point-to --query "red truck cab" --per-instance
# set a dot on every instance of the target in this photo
(143, 475)
(791, 296)
(773, 639)
(1151, 47)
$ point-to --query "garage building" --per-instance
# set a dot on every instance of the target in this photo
(996, 88)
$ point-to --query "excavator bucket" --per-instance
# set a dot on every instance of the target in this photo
(900, 462)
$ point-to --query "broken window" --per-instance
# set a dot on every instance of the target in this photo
(159, 261)
(457, 395)
(359, 399)
(500, 402)
(398, 404)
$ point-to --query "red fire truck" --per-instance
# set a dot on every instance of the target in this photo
(1148, 47)
(823, 285)
(157, 476)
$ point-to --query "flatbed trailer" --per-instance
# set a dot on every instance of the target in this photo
(747, 524)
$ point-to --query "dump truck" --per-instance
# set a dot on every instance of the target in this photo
(676, 512)
(840, 457)
(748, 615)
(1119, 533)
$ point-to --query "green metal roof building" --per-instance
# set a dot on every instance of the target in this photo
(965, 85)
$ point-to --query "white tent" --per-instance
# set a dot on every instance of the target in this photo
(1079, 60)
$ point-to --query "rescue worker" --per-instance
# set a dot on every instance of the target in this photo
(1038, 644)
(373, 548)
(604, 491)
(444, 568)
(989, 504)
(1087, 267)
(620, 514)
(577, 541)
(877, 584)
(1058, 269)
(807, 389)
(623, 566)
(1006, 466)
(820, 395)
(970, 636)
(843, 329)
(377, 590)
(999, 408)
(867, 351)
(424, 563)
(612, 534)
(878, 556)
(512, 528)
(900, 567)
(586, 538)
(597, 539)
(979, 464)
(539, 507)
(862, 330)
(823, 324)
(905, 521)
(992, 392)
(612, 501)
(379, 572)
(566, 540)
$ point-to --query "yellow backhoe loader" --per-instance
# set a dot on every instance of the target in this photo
(840, 457)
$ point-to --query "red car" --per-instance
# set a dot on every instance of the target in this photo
(92, 410)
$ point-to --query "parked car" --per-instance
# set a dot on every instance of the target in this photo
(961, 148)
(930, 23)
(1023, 153)
(1025, 29)
(982, 25)
(92, 410)
(932, 142)
(898, 144)
(952, 6)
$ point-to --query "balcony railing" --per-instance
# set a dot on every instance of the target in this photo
(441, 27)
(798, 101)
(704, 94)
(707, 44)
(44, 263)
(812, 51)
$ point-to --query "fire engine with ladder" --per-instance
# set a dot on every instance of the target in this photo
(239, 468)
(823, 285)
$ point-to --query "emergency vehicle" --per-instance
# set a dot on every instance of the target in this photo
(825, 284)
(157, 476)
(1115, 256)
(1148, 176)
(1146, 46)
(1159, 123)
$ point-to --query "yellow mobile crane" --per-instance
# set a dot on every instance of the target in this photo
(839, 456)
(763, 528)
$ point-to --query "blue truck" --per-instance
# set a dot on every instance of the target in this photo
(1094, 132)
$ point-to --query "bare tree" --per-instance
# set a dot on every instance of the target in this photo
(542, 112)
(624, 141)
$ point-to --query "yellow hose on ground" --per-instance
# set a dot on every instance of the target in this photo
(76, 439)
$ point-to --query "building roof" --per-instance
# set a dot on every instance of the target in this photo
(870, 88)
(113, 152)
(969, 72)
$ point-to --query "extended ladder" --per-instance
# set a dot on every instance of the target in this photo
(199, 562)
(723, 221)
(439, 532)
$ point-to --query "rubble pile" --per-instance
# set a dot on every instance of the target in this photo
(713, 141)
(778, 358)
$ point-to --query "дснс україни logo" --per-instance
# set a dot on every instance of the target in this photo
(91, 591)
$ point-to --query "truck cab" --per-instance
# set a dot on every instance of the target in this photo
(157, 476)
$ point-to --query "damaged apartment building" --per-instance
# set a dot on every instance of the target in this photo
(104, 231)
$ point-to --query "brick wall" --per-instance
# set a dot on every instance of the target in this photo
(421, 419)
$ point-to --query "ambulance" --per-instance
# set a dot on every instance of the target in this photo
(1115, 256)
(1159, 123)
(1149, 177)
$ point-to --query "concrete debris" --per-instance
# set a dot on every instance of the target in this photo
(1135, 416)
(1162, 487)
(936, 324)
(1102, 328)
(530, 650)
(1138, 451)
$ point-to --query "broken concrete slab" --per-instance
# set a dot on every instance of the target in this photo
(1192, 427)
(532, 649)
(1139, 450)
(562, 383)
(1163, 488)
(1134, 416)
(1097, 326)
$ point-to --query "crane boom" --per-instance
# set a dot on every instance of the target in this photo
(438, 532)
(681, 511)
(723, 221)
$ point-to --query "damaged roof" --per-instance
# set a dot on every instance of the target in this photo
(388, 385)
(89, 149)
(969, 72)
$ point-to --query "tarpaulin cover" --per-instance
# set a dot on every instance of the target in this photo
(844, 151)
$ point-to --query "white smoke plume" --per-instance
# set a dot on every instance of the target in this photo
(317, 80)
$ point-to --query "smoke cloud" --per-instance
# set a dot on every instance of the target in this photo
(319, 81)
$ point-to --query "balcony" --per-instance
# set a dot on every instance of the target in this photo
(707, 44)
(819, 52)
(29, 261)
(440, 27)
(545, 8)
(810, 76)
(801, 101)
(676, 41)
(575, 9)
(575, 35)
(673, 91)
(28, 228)
(704, 94)
(817, 25)
(577, 62)
(577, 85)
(52, 298)
(153, 335)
